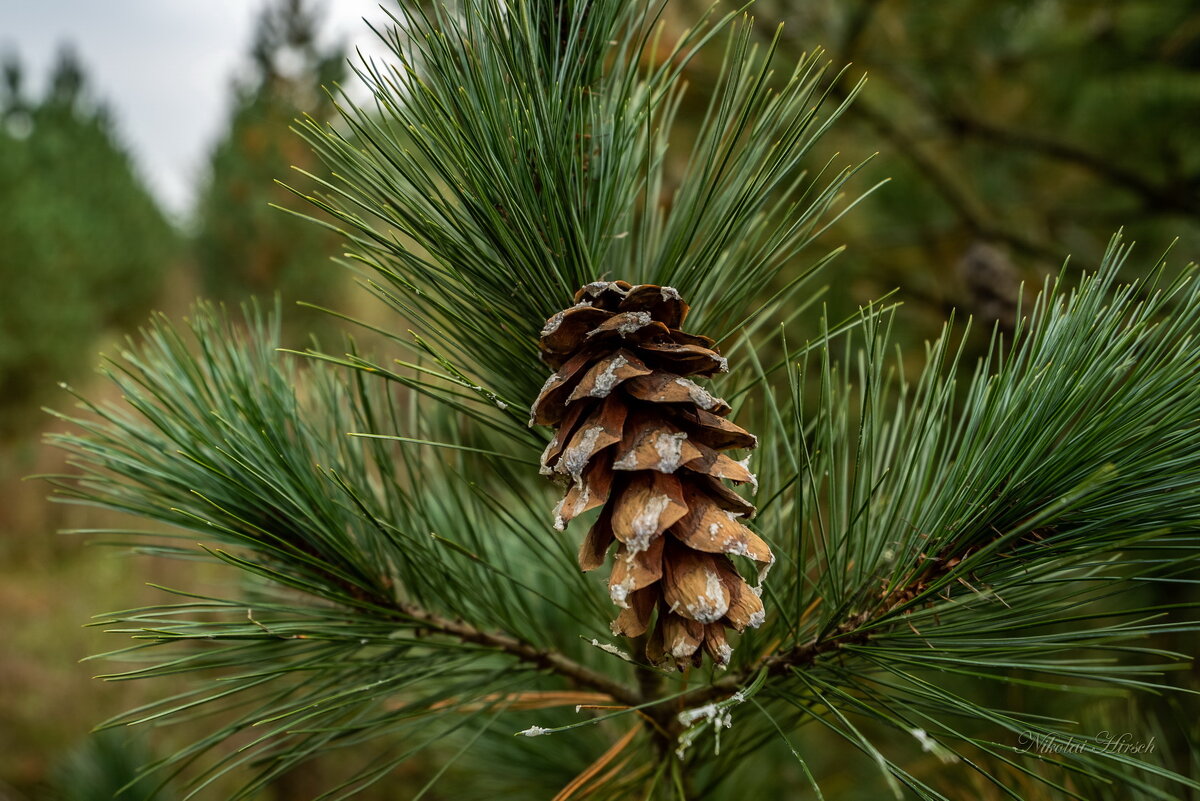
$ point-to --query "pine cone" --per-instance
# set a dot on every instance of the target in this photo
(642, 441)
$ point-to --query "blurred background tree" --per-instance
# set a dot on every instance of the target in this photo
(86, 252)
(243, 245)
(106, 766)
(85, 246)
(1013, 133)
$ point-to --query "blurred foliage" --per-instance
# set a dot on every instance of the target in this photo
(85, 246)
(242, 244)
(105, 767)
(1013, 133)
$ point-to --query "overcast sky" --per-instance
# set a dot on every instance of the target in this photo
(164, 66)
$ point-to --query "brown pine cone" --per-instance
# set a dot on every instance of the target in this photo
(642, 441)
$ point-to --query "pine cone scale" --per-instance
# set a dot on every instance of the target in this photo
(718, 465)
(635, 570)
(593, 491)
(711, 529)
(693, 588)
(600, 430)
(663, 387)
(654, 444)
(593, 551)
(651, 503)
(551, 404)
(634, 620)
(565, 330)
(605, 375)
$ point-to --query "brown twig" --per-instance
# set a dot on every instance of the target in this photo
(1178, 197)
(894, 601)
(800, 656)
(974, 214)
(554, 661)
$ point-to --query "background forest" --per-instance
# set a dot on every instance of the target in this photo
(1011, 135)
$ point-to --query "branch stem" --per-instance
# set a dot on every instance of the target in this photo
(553, 661)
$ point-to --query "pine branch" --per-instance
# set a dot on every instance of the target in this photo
(546, 659)
(990, 541)
(855, 630)
(589, 119)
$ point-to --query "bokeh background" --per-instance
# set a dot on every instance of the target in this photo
(140, 142)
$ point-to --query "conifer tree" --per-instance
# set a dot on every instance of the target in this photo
(85, 245)
(243, 246)
(404, 593)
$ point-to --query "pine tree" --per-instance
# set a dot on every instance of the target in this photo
(403, 590)
(243, 246)
(85, 244)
